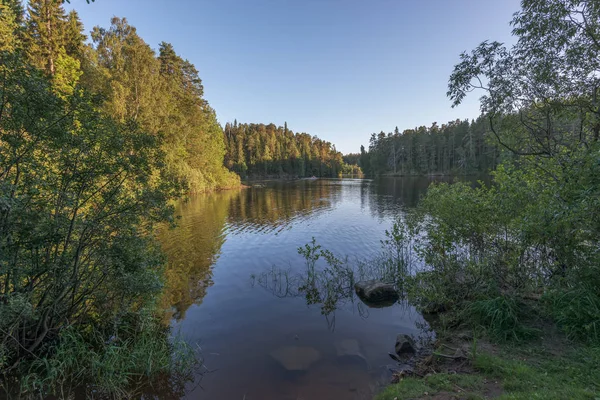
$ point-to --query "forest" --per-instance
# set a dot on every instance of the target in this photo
(455, 148)
(258, 150)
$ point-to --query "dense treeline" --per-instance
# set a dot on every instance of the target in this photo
(458, 147)
(164, 95)
(258, 150)
(95, 140)
(161, 93)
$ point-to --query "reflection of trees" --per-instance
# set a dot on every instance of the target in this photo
(280, 204)
(192, 248)
(330, 283)
(384, 196)
(195, 244)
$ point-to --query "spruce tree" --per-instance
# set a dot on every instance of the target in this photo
(45, 33)
(17, 10)
(8, 29)
(74, 38)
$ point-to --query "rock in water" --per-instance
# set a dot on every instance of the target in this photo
(349, 348)
(296, 358)
(405, 345)
(376, 294)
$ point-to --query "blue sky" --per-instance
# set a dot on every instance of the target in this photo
(338, 69)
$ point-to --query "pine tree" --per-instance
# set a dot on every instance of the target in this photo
(74, 38)
(8, 29)
(170, 63)
(45, 33)
(17, 10)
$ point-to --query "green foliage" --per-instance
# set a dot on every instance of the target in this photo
(79, 195)
(164, 95)
(16, 6)
(329, 286)
(535, 230)
(488, 247)
(577, 309)
(118, 363)
(45, 33)
(458, 147)
(8, 29)
(396, 261)
(67, 74)
(500, 318)
(258, 150)
(76, 193)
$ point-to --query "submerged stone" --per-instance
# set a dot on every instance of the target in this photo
(295, 358)
(349, 348)
(376, 294)
(405, 345)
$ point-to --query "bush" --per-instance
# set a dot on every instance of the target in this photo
(485, 247)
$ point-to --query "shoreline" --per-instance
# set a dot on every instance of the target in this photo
(460, 365)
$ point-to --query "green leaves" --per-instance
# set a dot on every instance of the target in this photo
(269, 150)
(548, 81)
(78, 201)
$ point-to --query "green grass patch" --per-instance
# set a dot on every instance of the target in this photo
(466, 385)
(522, 373)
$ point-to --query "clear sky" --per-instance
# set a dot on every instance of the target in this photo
(338, 69)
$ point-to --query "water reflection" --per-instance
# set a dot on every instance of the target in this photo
(329, 280)
(225, 238)
(192, 248)
(280, 204)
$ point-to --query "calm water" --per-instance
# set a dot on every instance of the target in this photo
(232, 264)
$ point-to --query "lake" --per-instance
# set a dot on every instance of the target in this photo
(232, 292)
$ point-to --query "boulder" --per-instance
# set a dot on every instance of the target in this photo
(376, 293)
(405, 345)
(295, 358)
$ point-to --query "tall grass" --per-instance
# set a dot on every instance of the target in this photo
(328, 279)
(577, 312)
(117, 366)
(500, 318)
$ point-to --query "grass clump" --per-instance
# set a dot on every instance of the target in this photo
(577, 310)
(467, 386)
(500, 318)
(110, 365)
